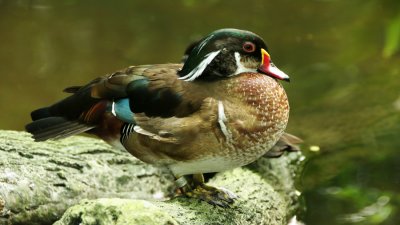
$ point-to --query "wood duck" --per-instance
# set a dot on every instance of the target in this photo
(223, 108)
(286, 143)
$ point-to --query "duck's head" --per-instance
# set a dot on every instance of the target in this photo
(226, 53)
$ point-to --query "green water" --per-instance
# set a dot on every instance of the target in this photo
(343, 57)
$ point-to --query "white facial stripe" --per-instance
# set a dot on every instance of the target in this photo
(240, 67)
(196, 72)
(204, 42)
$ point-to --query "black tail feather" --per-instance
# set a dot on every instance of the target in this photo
(40, 113)
(287, 143)
(55, 128)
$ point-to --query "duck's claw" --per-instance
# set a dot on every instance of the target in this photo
(214, 196)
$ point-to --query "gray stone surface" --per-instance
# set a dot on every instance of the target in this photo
(40, 181)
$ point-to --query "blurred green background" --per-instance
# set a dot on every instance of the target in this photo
(343, 57)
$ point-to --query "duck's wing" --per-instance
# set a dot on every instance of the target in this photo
(153, 90)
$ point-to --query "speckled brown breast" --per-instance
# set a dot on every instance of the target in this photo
(257, 114)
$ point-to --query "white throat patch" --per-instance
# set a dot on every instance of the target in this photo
(240, 67)
(198, 70)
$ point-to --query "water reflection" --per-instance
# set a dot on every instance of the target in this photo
(377, 212)
(342, 57)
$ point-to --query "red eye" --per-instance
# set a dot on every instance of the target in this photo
(249, 47)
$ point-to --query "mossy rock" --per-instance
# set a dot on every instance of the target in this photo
(42, 181)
